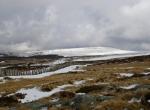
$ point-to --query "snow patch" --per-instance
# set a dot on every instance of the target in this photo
(4, 67)
(133, 100)
(44, 108)
(146, 73)
(2, 81)
(129, 87)
(122, 75)
(54, 100)
(2, 62)
(35, 93)
(129, 67)
(60, 61)
(89, 79)
(78, 83)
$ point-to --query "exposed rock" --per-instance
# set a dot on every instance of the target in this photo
(87, 89)
(20, 96)
(37, 106)
(8, 100)
(65, 94)
(46, 89)
(79, 101)
(7, 78)
(146, 99)
(101, 87)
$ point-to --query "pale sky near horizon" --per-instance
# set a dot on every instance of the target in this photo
(49, 24)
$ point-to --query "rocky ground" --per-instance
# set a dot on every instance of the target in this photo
(116, 84)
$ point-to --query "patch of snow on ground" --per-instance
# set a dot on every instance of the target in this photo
(89, 79)
(44, 108)
(2, 81)
(2, 61)
(78, 83)
(54, 100)
(80, 93)
(129, 87)
(4, 67)
(126, 74)
(35, 93)
(129, 67)
(1, 78)
(72, 68)
(60, 61)
(146, 73)
(133, 100)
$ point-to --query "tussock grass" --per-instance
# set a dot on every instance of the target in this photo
(100, 73)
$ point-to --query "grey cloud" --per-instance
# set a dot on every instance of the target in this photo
(47, 24)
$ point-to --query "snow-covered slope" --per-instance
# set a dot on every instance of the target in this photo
(88, 51)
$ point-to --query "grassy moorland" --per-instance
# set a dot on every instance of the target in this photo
(101, 79)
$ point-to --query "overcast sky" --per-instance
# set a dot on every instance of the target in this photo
(49, 24)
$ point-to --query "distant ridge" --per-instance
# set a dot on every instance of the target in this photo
(87, 51)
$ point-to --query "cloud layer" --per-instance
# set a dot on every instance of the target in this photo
(47, 24)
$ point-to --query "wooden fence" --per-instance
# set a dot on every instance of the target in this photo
(14, 72)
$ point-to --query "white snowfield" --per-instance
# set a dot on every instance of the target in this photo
(72, 68)
(87, 51)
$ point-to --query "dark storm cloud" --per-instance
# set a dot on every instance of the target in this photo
(47, 24)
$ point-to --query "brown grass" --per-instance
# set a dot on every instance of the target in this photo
(105, 73)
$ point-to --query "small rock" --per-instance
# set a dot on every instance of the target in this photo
(145, 99)
(20, 96)
(65, 94)
(87, 89)
(8, 100)
(46, 88)
(7, 78)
